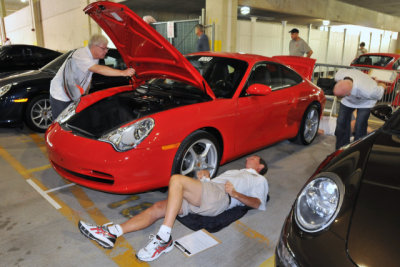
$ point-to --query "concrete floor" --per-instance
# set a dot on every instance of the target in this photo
(37, 233)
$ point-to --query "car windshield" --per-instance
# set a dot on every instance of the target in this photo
(222, 74)
(54, 65)
(373, 60)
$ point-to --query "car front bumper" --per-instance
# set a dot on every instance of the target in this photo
(97, 165)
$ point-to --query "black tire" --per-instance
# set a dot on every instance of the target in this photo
(186, 163)
(38, 113)
(309, 126)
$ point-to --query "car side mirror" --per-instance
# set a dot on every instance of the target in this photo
(259, 89)
(383, 112)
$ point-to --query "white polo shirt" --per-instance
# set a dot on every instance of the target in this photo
(247, 182)
(365, 90)
(81, 61)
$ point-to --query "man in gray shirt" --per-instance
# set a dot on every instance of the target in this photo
(297, 46)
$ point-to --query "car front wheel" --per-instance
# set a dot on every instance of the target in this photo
(38, 113)
(309, 126)
(199, 151)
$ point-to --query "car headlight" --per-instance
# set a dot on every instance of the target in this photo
(319, 202)
(67, 113)
(130, 136)
(4, 89)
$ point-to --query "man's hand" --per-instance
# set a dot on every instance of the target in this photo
(383, 85)
(229, 189)
(129, 72)
(203, 173)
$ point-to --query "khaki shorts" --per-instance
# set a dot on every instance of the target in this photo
(214, 201)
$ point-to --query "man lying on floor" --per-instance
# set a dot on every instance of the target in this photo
(187, 195)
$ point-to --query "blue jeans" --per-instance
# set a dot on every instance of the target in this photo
(343, 124)
(57, 106)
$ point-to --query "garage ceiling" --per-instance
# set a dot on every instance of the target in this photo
(391, 7)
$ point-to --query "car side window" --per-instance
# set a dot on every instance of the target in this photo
(289, 77)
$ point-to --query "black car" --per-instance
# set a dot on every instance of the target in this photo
(348, 212)
(25, 96)
(18, 58)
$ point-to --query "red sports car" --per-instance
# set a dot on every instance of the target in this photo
(384, 61)
(181, 114)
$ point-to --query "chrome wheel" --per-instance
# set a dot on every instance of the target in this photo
(202, 154)
(311, 125)
(40, 114)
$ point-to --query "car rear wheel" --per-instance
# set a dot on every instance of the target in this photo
(38, 113)
(199, 151)
(309, 126)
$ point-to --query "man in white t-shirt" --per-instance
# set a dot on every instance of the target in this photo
(359, 91)
(187, 195)
(73, 78)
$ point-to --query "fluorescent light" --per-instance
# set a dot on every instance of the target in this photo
(245, 10)
(326, 22)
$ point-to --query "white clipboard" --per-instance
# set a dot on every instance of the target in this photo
(196, 242)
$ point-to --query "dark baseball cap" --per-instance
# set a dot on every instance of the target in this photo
(294, 30)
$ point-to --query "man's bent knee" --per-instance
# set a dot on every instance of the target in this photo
(177, 178)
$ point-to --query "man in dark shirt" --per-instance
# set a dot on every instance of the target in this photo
(202, 42)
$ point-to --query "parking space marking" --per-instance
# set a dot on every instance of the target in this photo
(59, 188)
(27, 175)
(247, 231)
(39, 141)
(41, 168)
(123, 253)
(270, 262)
(44, 194)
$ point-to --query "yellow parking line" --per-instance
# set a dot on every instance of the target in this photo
(39, 141)
(269, 263)
(250, 233)
(123, 253)
(41, 168)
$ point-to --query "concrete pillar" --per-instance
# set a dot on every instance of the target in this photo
(309, 33)
(37, 27)
(2, 26)
(224, 14)
(253, 34)
(398, 43)
(380, 42)
(283, 36)
(327, 44)
(344, 44)
(370, 42)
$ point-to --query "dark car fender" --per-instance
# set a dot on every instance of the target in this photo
(348, 163)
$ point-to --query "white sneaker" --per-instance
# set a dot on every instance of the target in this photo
(155, 248)
(100, 234)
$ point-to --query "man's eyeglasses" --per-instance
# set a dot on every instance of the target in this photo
(104, 48)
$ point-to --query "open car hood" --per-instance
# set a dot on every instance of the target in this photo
(303, 65)
(142, 47)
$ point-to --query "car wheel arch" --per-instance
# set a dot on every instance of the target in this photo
(28, 105)
(199, 136)
(298, 138)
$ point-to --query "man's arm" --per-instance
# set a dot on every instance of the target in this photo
(107, 71)
(252, 202)
(309, 53)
